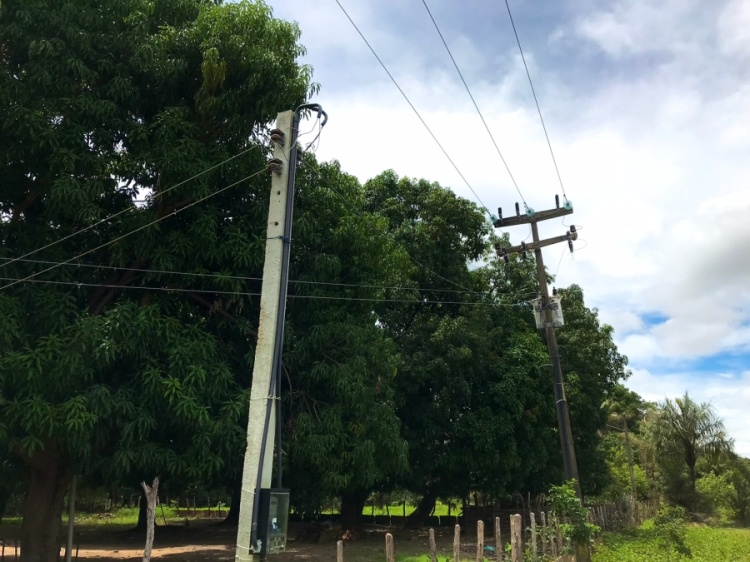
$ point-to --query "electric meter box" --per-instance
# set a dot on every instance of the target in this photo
(273, 520)
(555, 308)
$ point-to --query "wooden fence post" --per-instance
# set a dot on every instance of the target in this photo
(457, 544)
(534, 551)
(340, 551)
(390, 555)
(480, 541)
(498, 541)
(516, 538)
(433, 546)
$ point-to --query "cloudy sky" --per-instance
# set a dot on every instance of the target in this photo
(647, 103)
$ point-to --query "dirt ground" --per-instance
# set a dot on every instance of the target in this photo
(211, 542)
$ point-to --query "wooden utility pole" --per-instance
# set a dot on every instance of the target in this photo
(549, 311)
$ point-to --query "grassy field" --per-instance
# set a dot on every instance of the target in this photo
(708, 544)
(441, 510)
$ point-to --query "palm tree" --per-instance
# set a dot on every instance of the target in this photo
(686, 431)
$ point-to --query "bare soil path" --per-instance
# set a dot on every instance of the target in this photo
(211, 542)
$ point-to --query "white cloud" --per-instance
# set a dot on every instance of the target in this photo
(733, 24)
(635, 27)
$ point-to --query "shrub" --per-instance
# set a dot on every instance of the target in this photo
(669, 526)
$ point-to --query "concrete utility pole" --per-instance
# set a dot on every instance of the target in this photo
(260, 433)
(264, 416)
(548, 311)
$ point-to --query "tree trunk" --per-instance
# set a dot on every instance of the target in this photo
(425, 507)
(142, 513)
(352, 505)
(233, 517)
(43, 506)
(4, 498)
(152, 494)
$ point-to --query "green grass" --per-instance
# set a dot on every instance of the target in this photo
(397, 509)
(708, 544)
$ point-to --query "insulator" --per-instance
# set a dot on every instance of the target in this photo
(557, 201)
(274, 165)
(500, 213)
(277, 137)
(518, 210)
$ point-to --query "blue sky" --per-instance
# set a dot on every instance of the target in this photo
(648, 107)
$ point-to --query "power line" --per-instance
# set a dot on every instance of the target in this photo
(112, 241)
(536, 101)
(125, 210)
(251, 294)
(239, 277)
(455, 167)
(476, 106)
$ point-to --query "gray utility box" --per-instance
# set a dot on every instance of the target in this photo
(273, 520)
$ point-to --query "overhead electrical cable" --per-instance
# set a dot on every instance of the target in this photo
(222, 276)
(536, 100)
(127, 209)
(414, 109)
(253, 294)
(476, 106)
(151, 223)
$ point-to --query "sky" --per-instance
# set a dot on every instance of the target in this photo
(647, 105)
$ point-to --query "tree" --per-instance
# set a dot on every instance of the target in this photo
(124, 367)
(739, 495)
(440, 233)
(624, 409)
(592, 367)
(339, 396)
(467, 384)
(684, 432)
